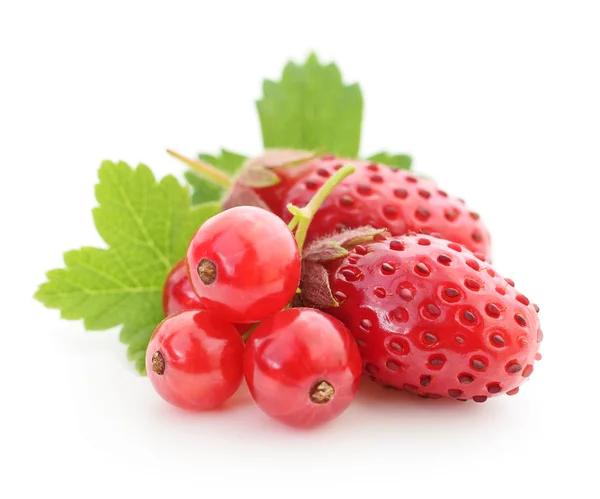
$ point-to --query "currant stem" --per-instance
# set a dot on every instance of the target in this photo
(205, 169)
(303, 216)
(247, 334)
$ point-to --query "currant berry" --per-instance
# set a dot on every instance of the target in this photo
(302, 367)
(178, 294)
(194, 360)
(245, 264)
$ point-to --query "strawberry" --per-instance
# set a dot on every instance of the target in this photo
(429, 316)
(379, 196)
(375, 195)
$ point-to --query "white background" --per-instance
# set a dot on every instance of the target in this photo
(498, 101)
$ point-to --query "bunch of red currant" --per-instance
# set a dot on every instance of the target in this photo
(241, 272)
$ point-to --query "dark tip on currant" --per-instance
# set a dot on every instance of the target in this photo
(321, 392)
(207, 271)
(158, 363)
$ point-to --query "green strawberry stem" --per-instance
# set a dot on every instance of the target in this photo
(204, 169)
(303, 216)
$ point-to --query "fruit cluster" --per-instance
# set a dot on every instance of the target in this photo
(379, 272)
(307, 268)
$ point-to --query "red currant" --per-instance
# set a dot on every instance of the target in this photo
(178, 294)
(302, 367)
(245, 264)
(194, 360)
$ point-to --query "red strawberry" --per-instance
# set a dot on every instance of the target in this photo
(429, 316)
(374, 195)
(379, 196)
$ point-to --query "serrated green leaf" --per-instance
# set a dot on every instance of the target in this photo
(147, 226)
(399, 161)
(311, 108)
(204, 189)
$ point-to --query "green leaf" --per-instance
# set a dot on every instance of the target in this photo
(399, 161)
(205, 190)
(228, 162)
(147, 226)
(311, 108)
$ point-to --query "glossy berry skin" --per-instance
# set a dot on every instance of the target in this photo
(385, 198)
(194, 360)
(245, 264)
(432, 318)
(178, 294)
(302, 367)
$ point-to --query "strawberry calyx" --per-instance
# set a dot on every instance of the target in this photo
(261, 171)
(316, 290)
(337, 245)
